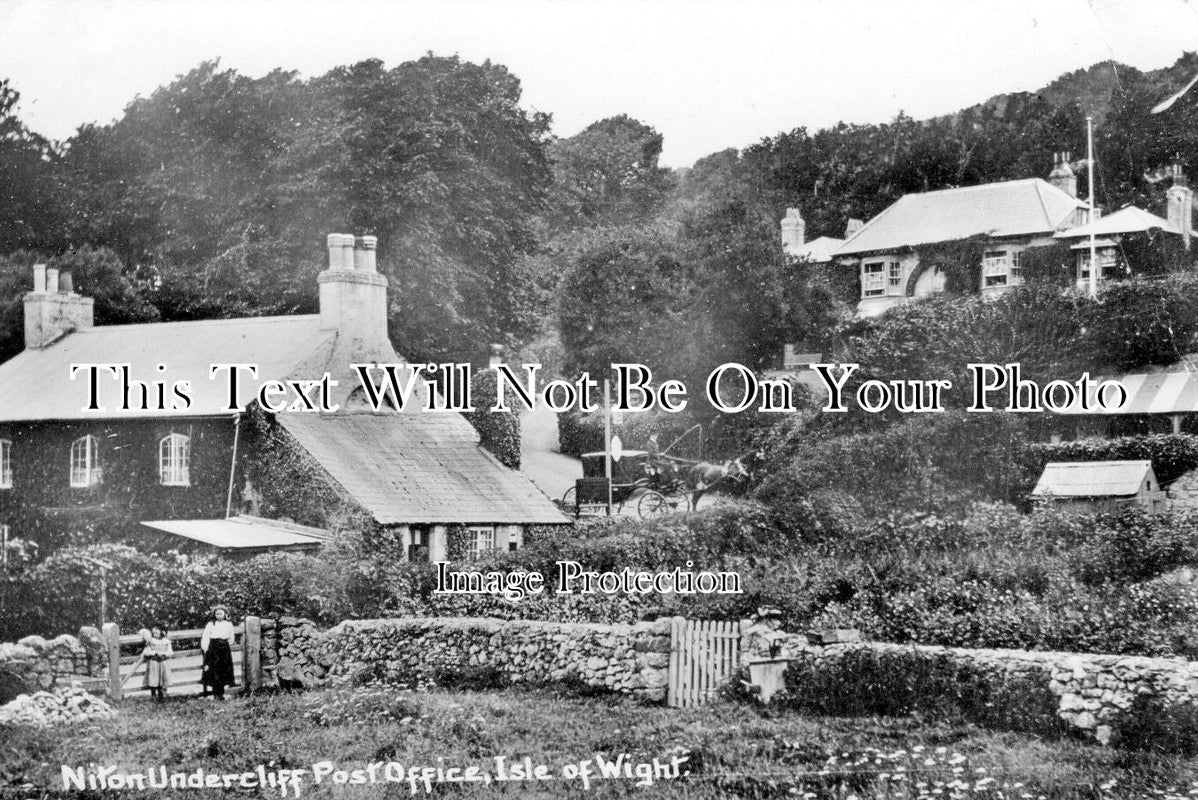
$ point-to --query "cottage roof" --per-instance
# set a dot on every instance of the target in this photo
(36, 383)
(1131, 219)
(1092, 478)
(419, 468)
(1012, 208)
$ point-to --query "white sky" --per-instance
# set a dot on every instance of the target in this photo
(708, 74)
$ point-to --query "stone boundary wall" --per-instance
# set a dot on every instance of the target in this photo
(1092, 690)
(44, 663)
(629, 659)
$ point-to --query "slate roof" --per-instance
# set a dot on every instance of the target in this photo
(1131, 219)
(1012, 208)
(419, 468)
(36, 384)
(1092, 478)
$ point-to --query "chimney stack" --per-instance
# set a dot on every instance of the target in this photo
(53, 310)
(353, 295)
(854, 225)
(794, 230)
(1062, 175)
(1180, 204)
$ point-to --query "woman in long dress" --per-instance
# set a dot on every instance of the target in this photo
(217, 646)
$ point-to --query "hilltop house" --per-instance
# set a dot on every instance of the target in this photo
(414, 480)
(1013, 215)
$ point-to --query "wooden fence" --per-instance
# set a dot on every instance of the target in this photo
(187, 661)
(703, 656)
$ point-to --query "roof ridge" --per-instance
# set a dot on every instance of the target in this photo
(220, 321)
(1044, 205)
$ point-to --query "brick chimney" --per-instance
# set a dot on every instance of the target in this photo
(53, 309)
(353, 295)
(794, 230)
(1180, 205)
(1062, 175)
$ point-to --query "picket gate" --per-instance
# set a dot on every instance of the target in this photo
(704, 654)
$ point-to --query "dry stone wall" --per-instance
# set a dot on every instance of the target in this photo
(1091, 690)
(44, 663)
(630, 659)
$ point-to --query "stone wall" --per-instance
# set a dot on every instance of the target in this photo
(630, 659)
(1091, 690)
(43, 663)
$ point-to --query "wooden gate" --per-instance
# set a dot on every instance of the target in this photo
(703, 656)
(186, 663)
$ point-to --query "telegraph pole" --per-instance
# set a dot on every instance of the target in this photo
(1093, 210)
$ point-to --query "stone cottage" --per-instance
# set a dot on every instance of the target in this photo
(79, 452)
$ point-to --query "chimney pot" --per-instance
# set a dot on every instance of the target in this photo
(334, 244)
(365, 248)
(39, 278)
(347, 251)
(52, 280)
(66, 284)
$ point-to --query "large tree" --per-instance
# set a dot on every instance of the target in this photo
(27, 202)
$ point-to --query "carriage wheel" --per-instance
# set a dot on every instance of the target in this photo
(651, 503)
(570, 500)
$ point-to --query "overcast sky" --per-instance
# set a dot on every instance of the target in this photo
(707, 74)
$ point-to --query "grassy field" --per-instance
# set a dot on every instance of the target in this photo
(731, 750)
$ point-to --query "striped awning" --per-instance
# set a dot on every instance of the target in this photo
(1151, 393)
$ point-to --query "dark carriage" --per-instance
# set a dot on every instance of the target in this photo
(653, 482)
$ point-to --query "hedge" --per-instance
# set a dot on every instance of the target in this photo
(1172, 454)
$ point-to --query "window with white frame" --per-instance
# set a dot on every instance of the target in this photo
(5, 464)
(1001, 268)
(881, 278)
(174, 460)
(85, 462)
(481, 539)
(1108, 264)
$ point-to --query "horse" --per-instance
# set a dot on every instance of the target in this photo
(734, 474)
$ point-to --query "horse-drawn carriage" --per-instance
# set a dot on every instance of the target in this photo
(656, 482)
(649, 480)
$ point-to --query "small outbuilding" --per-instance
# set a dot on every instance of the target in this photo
(1088, 486)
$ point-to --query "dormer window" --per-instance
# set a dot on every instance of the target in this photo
(174, 460)
(85, 463)
(5, 464)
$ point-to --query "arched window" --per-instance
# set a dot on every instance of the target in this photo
(85, 462)
(174, 460)
(5, 464)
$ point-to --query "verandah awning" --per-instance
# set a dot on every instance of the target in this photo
(245, 533)
(1148, 393)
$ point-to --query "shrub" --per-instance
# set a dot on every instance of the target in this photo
(1151, 725)
(499, 432)
(1172, 454)
(896, 683)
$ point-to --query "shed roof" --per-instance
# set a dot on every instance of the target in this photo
(419, 468)
(36, 384)
(245, 533)
(1011, 208)
(1092, 478)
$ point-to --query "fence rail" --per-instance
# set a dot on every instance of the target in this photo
(188, 669)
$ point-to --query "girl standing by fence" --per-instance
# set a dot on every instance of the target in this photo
(157, 656)
(217, 646)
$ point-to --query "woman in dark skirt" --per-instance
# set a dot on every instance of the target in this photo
(216, 644)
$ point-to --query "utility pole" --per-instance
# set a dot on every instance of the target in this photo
(1093, 210)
